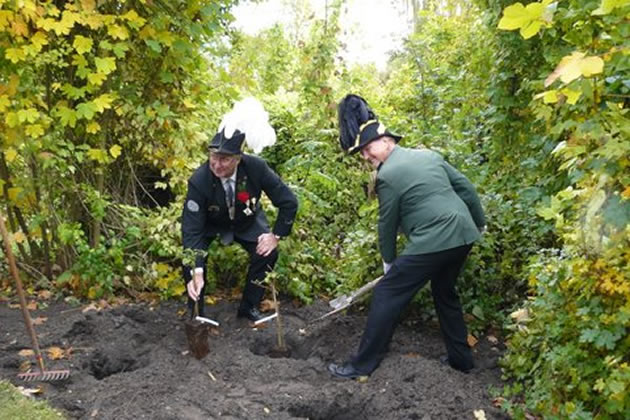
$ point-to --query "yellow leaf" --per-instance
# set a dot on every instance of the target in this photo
(117, 32)
(39, 40)
(19, 237)
(548, 97)
(189, 104)
(115, 151)
(26, 353)
(514, 17)
(19, 28)
(472, 340)
(35, 130)
(56, 353)
(32, 306)
(179, 289)
(15, 54)
(14, 192)
(39, 320)
(607, 6)
(572, 95)
(28, 115)
(11, 119)
(6, 16)
(133, 17)
(626, 193)
(591, 65)
(10, 154)
(82, 44)
(96, 79)
(98, 155)
(92, 292)
(4, 102)
(88, 5)
(575, 65)
(531, 29)
(162, 283)
(94, 21)
(103, 102)
(93, 127)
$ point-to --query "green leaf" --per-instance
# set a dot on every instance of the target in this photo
(608, 6)
(105, 65)
(67, 116)
(154, 45)
(86, 110)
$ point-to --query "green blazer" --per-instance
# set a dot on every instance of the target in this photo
(432, 203)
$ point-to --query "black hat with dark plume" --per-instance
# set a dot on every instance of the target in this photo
(358, 125)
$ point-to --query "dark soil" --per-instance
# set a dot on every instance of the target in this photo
(132, 362)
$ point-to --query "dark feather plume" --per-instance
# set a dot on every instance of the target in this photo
(352, 112)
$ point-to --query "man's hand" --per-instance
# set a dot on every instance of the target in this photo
(194, 286)
(267, 242)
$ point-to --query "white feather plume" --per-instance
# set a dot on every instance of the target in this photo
(249, 117)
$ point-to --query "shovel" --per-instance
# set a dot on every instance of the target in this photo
(43, 374)
(344, 301)
(197, 331)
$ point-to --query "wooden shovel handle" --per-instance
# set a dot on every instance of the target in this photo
(20, 290)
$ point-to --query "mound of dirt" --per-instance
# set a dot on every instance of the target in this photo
(132, 362)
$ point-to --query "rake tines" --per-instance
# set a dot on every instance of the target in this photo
(45, 376)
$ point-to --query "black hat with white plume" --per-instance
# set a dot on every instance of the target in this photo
(247, 121)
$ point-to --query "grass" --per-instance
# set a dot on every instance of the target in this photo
(16, 406)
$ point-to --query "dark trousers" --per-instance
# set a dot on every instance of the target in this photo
(408, 274)
(259, 266)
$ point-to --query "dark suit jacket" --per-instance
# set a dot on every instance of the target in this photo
(433, 204)
(205, 214)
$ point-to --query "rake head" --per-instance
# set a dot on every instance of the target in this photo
(45, 376)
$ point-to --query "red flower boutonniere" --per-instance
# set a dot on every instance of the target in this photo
(242, 196)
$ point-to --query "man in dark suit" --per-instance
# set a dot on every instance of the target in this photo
(438, 211)
(223, 200)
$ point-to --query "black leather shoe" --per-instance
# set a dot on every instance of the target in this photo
(444, 360)
(345, 371)
(252, 314)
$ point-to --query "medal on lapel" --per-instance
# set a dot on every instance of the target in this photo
(244, 197)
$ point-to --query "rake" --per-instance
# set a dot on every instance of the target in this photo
(43, 374)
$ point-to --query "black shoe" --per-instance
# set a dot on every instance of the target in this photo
(345, 371)
(444, 360)
(252, 314)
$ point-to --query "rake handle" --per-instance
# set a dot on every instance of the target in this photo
(20, 291)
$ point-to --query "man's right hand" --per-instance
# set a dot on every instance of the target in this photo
(194, 286)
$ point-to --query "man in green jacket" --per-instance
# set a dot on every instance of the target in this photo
(438, 211)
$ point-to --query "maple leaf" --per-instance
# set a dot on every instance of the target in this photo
(82, 44)
(39, 320)
(56, 353)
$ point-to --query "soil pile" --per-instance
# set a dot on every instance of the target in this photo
(132, 362)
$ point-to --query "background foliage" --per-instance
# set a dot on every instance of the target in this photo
(106, 107)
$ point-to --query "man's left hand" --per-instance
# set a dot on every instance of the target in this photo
(267, 242)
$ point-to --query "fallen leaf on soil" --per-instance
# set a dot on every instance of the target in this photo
(181, 312)
(472, 341)
(492, 339)
(28, 392)
(90, 307)
(362, 379)
(32, 306)
(39, 320)
(44, 294)
(56, 353)
(267, 305)
(498, 401)
(26, 353)
(479, 414)
(211, 300)
(14, 305)
(25, 366)
(412, 354)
